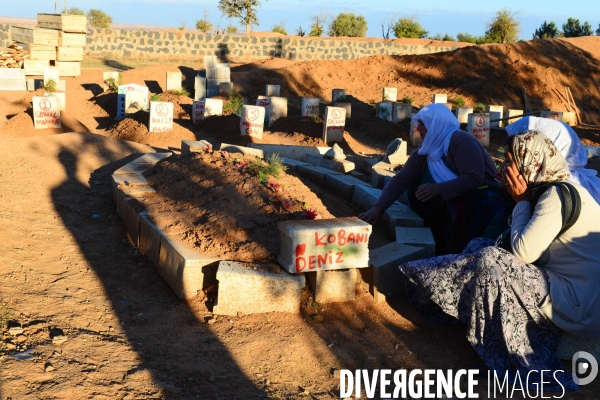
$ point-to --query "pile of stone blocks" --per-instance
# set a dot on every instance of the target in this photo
(12, 79)
(216, 74)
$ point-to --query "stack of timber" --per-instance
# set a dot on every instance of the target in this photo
(58, 40)
(13, 56)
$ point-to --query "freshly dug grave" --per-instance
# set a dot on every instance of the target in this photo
(215, 203)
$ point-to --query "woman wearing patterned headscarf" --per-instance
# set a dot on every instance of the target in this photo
(450, 181)
(516, 304)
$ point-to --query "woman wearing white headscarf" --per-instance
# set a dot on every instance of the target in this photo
(569, 145)
(515, 304)
(450, 181)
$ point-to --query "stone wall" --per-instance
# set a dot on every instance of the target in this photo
(120, 43)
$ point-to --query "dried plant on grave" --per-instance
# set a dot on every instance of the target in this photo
(479, 108)
(50, 86)
(406, 100)
(155, 97)
(273, 166)
(234, 104)
(182, 92)
(459, 102)
(113, 84)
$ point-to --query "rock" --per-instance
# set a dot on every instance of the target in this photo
(10, 346)
(14, 331)
(335, 153)
(59, 339)
(48, 367)
(211, 320)
(240, 314)
(21, 338)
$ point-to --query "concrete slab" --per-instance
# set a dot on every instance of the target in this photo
(194, 146)
(343, 185)
(401, 215)
(133, 168)
(199, 88)
(150, 239)
(418, 237)
(288, 151)
(570, 344)
(277, 109)
(315, 173)
(152, 158)
(343, 166)
(395, 153)
(273, 90)
(378, 176)
(138, 192)
(13, 84)
(333, 286)
(310, 106)
(232, 148)
(12, 73)
(364, 197)
(383, 278)
(186, 271)
(334, 124)
(513, 113)
(128, 181)
(256, 288)
(292, 164)
(131, 219)
(479, 126)
(389, 94)
(325, 244)
(252, 121)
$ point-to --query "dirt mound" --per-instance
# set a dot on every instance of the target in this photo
(224, 211)
(182, 105)
(21, 125)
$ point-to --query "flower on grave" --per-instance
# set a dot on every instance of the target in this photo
(275, 187)
(287, 204)
(241, 164)
(311, 213)
(275, 200)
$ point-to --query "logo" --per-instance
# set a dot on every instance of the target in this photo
(162, 110)
(584, 372)
(479, 121)
(336, 114)
(45, 104)
(252, 114)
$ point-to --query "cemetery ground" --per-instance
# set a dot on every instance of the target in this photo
(103, 324)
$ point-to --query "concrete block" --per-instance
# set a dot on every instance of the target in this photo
(211, 73)
(395, 153)
(479, 126)
(13, 84)
(570, 344)
(133, 168)
(293, 164)
(277, 109)
(401, 111)
(462, 114)
(389, 94)
(399, 214)
(213, 86)
(569, 118)
(30, 83)
(210, 61)
(273, 90)
(343, 185)
(213, 107)
(137, 192)
(496, 109)
(130, 181)
(345, 105)
(131, 219)
(418, 237)
(256, 288)
(194, 146)
(364, 197)
(440, 98)
(51, 73)
(383, 278)
(334, 124)
(513, 113)
(384, 110)
(150, 239)
(310, 107)
(225, 87)
(315, 173)
(12, 73)
(343, 166)
(186, 271)
(494, 116)
(223, 71)
(378, 176)
(592, 151)
(232, 148)
(199, 88)
(288, 151)
(324, 244)
(333, 286)
(338, 95)
(152, 158)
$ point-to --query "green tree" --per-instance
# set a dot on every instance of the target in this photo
(448, 38)
(409, 27)
(598, 31)
(573, 29)
(348, 24)
(74, 11)
(468, 38)
(231, 29)
(279, 28)
(504, 28)
(204, 25)
(245, 10)
(99, 18)
(546, 31)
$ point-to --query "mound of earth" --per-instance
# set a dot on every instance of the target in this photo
(215, 203)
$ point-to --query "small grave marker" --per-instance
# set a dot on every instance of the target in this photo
(277, 109)
(440, 98)
(479, 126)
(495, 109)
(197, 111)
(333, 126)
(109, 75)
(213, 107)
(462, 114)
(173, 80)
(273, 90)
(46, 112)
(390, 94)
(345, 105)
(161, 117)
(310, 107)
(513, 113)
(199, 88)
(121, 100)
(338, 95)
(384, 110)
(51, 73)
(401, 111)
(252, 121)
(264, 101)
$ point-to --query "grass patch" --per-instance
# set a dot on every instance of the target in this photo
(113, 84)
(234, 104)
(182, 92)
(273, 166)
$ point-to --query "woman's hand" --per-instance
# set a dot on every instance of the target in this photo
(514, 182)
(427, 191)
(372, 215)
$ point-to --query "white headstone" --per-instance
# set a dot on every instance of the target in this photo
(338, 95)
(384, 110)
(414, 134)
(390, 94)
(62, 99)
(161, 117)
(197, 111)
(346, 105)
(513, 113)
(479, 126)
(334, 124)
(310, 107)
(109, 74)
(264, 101)
(401, 111)
(253, 121)
(135, 100)
(51, 73)
(440, 98)
(199, 88)
(46, 112)
(213, 107)
(462, 114)
(123, 89)
(222, 71)
(273, 90)
(499, 109)
(173, 80)
(277, 109)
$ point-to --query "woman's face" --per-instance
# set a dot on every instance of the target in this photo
(508, 161)
(421, 128)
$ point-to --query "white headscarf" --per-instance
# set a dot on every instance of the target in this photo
(440, 124)
(568, 144)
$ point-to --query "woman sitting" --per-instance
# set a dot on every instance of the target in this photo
(450, 181)
(515, 304)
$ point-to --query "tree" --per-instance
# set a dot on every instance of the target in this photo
(279, 28)
(204, 25)
(504, 28)
(99, 18)
(317, 28)
(348, 24)
(245, 10)
(409, 27)
(598, 31)
(546, 31)
(300, 32)
(573, 29)
(231, 29)
(74, 11)
(387, 25)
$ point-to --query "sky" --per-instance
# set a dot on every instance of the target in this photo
(436, 16)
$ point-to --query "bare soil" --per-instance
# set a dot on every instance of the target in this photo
(69, 271)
